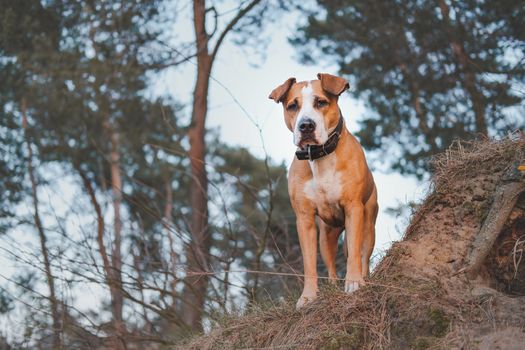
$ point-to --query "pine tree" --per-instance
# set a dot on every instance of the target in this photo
(429, 72)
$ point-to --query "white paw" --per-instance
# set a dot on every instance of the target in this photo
(303, 300)
(352, 286)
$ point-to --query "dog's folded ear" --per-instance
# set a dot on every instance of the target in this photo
(280, 92)
(332, 84)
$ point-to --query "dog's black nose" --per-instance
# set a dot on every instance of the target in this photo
(307, 125)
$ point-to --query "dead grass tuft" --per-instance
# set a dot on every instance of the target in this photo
(463, 158)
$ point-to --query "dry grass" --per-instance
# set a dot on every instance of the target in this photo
(464, 157)
(413, 299)
(337, 320)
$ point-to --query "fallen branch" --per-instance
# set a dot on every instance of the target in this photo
(505, 197)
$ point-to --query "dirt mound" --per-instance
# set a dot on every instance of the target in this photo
(456, 280)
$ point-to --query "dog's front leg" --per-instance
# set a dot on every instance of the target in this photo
(354, 225)
(308, 239)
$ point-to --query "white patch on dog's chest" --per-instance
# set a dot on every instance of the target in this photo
(325, 186)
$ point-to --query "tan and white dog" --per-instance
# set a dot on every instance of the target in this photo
(329, 178)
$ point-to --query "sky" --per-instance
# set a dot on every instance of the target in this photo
(242, 113)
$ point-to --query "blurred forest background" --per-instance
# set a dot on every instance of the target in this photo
(125, 223)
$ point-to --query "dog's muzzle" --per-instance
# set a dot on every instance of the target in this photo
(307, 132)
(312, 152)
(306, 126)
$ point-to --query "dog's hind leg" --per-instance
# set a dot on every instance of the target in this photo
(328, 238)
(371, 209)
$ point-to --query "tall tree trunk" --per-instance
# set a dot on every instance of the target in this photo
(42, 236)
(118, 342)
(168, 226)
(117, 299)
(197, 252)
(172, 265)
(114, 273)
(469, 76)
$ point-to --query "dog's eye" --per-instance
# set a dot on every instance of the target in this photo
(321, 103)
(291, 107)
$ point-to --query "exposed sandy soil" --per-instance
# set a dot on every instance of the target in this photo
(455, 281)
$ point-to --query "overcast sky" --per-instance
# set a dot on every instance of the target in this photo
(236, 78)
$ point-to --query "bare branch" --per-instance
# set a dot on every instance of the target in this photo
(231, 25)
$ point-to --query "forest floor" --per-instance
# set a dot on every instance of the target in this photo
(455, 281)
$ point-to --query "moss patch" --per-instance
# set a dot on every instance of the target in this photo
(441, 322)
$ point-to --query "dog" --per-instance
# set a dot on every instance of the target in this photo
(329, 178)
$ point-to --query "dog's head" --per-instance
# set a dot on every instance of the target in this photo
(310, 107)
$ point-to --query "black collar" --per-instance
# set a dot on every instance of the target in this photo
(313, 152)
